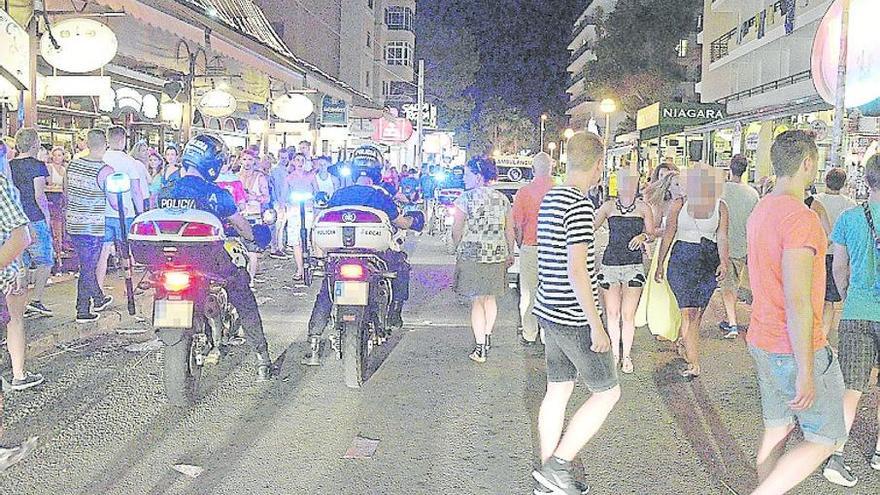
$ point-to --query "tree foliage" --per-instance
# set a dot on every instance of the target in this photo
(502, 128)
(636, 50)
(451, 65)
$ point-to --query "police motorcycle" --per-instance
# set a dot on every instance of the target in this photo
(186, 252)
(352, 239)
(450, 185)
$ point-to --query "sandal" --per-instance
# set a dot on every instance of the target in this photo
(680, 349)
(627, 366)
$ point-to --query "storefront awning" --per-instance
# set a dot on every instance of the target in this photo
(813, 104)
(240, 33)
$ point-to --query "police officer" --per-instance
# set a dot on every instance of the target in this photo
(202, 159)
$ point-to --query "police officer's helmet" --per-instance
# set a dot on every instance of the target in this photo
(367, 161)
(206, 154)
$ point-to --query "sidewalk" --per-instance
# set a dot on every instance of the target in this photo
(48, 334)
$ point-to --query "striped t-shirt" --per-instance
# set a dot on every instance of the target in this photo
(85, 198)
(564, 219)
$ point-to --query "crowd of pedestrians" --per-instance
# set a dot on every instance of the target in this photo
(801, 258)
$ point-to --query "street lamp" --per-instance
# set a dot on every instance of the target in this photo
(569, 133)
(544, 118)
(607, 106)
(552, 147)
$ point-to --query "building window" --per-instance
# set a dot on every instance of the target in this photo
(682, 48)
(399, 91)
(399, 18)
(367, 78)
(369, 39)
(398, 53)
(370, 4)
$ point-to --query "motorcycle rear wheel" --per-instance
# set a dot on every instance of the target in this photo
(180, 373)
(354, 351)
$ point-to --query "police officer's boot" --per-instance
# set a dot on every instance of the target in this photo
(313, 355)
(395, 316)
(264, 366)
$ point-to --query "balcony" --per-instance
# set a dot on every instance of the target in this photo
(579, 28)
(576, 79)
(580, 51)
(579, 99)
(768, 87)
(721, 47)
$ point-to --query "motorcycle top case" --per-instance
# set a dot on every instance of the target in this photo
(180, 236)
(355, 228)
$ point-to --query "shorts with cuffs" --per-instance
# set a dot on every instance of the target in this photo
(737, 270)
(859, 352)
(823, 423)
(626, 275)
(567, 354)
(112, 232)
(41, 251)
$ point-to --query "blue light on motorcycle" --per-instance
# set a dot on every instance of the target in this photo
(440, 176)
(345, 171)
(118, 183)
(300, 196)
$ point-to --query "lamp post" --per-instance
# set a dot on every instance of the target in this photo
(568, 134)
(607, 106)
(544, 118)
(552, 147)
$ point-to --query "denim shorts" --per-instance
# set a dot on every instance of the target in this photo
(777, 373)
(567, 354)
(859, 352)
(40, 252)
(111, 228)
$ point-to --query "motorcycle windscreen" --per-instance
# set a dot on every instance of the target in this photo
(172, 314)
(351, 293)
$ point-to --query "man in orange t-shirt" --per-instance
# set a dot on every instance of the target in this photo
(798, 374)
(526, 204)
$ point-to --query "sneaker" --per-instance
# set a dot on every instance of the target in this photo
(732, 332)
(542, 490)
(37, 307)
(29, 380)
(837, 472)
(101, 305)
(479, 353)
(279, 255)
(875, 461)
(87, 317)
(556, 478)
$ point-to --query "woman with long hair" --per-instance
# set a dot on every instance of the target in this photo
(696, 234)
(622, 276)
(483, 235)
(255, 182)
(57, 166)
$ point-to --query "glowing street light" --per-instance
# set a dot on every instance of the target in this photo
(544, 118)
(552, 147)
(569, 133)
(607, 106)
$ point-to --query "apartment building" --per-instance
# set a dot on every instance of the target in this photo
(368, 44)
(757, 62)
(582, 106)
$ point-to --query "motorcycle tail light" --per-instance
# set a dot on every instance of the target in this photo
(199, 230)
(351, 271)
(176, 281)
(169, 226)
(144, 228)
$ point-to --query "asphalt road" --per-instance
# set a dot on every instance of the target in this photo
(444, 425)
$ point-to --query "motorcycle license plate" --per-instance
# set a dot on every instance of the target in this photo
(351, 293)
(172, 314)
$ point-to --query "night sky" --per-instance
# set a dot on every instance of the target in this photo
(523, 47)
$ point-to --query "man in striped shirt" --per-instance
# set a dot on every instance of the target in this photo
(567, 308)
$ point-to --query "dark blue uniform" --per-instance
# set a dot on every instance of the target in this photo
(196, 193)
(377, 198)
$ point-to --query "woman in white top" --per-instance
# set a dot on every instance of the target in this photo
(57, 166)
(325, 182)
(696, 231)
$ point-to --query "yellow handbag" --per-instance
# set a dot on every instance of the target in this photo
(658, 308)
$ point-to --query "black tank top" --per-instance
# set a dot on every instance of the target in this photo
(622, 230)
